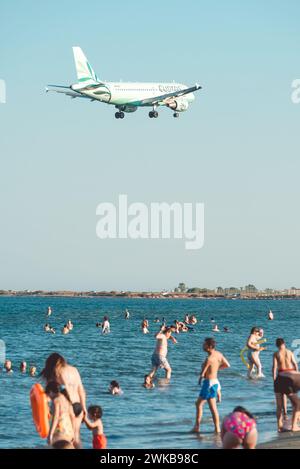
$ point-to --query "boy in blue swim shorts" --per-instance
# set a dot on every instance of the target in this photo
(210, 387)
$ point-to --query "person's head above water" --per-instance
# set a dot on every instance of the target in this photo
(114, 384)
(95, 412)
(105, 318)
(209, 344)
(280, 342)
(254, 330)
(8, 365)
(53, 364)
(23, 366)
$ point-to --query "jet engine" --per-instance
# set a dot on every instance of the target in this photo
(179, 105)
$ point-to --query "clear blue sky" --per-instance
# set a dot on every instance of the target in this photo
(236, 149)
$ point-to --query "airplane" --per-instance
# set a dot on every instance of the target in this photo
(126, 97)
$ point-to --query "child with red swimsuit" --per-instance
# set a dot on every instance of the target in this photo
(94, 423)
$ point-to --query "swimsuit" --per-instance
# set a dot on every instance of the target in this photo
(159, 361)
(64, 429)
(99, 441)
(239, 424)
(250, 354)
(77, 408)
(209, 389)
(287, 384)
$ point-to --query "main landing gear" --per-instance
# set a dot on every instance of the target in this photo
(153, 114)
(119, 115)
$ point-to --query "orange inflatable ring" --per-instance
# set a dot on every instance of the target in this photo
(40, 410)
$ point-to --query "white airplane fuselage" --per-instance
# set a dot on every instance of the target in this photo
(121, 93)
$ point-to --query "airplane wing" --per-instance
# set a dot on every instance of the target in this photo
(68, 92)
(164, 97)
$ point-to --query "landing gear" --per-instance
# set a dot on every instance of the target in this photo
(153, 114)
(119, 115)
(176, 114)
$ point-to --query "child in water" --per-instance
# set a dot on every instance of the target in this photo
(63, 417)
(94, 423)
(148, 384)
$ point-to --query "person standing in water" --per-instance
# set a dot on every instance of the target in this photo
(270, 315)
(127, 314)
(159, 357)
(210, 386)
(58, 370)
(144, 326)
(63, 418)
(253, 352)
(49, 311)
(105, 325)
(283, 361)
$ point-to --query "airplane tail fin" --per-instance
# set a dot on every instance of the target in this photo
(85, 72)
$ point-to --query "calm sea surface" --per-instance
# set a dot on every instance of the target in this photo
(158, 418)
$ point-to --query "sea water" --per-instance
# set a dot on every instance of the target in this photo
(140, 418)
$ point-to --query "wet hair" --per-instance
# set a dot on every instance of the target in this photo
(55, 360)
(57, 388)
(253, 330)
(115, 384)
(62, 444)
(105, 318)
(279, 342)
(95, 411)
(210, 342)
(243, 411)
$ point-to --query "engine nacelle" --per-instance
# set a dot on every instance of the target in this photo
(179, 105)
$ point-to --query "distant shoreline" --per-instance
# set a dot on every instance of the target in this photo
(143, 295)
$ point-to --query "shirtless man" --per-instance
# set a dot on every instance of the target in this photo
(57, 369)
(159, 357)
(210, 388)
(283, 362)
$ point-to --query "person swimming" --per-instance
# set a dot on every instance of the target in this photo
(23, 367)
(114, 388)
(32, 371)
(65, 330)
(148, 383)
(8, 366)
